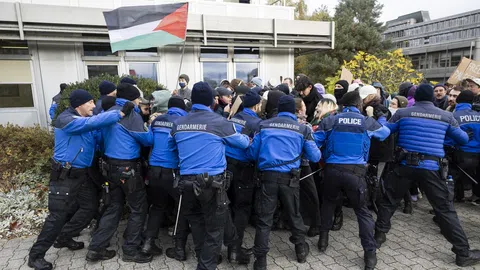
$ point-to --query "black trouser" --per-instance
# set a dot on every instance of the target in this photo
(126, 184)
(77, 189)
(275, 186)
(469, 163)
(351, 180)
(207, 219)
(439, 194)
(319, 180)
(309, 201)
(161, 196)
(240, 194)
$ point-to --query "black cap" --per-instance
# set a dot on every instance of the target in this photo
(250, 99)
(466, 96)
(176, 102)
(286, 104)
(79, 97)
(127, 91)
(202, 93)
(424, 92)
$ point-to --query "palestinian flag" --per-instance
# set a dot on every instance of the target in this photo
(141, 27)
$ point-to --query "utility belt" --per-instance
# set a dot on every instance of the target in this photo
(118, 172)
(291, 179)
(61, 172)
(201, 182)
(355, 169)
(414, 159)
(238, 163)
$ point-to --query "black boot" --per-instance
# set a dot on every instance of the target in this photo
(68, 243)
(313, 231)
(370, 258)
(323, 241)
(236, 255)
(95, 256)
(472, 258)
(408, 208)
(338, 221)
(260, 263)
(177, 252)
(380, 238)
(139, 257)
(150, 247)
(302, 251)
(39, 264)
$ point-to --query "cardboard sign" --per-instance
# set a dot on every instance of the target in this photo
(346, 75)
(467, 69)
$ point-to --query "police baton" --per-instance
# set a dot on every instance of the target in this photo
(464, 172)
(308, 175)
(178, 214)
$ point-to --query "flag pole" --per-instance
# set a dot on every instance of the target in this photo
(181, 62)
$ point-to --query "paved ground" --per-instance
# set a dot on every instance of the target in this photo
(413, 243)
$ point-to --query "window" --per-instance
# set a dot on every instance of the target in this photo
(13, 47)
(214, 73)
(98, 49)
(246, 53)
(97, 70)
(16, 95)
(246, 71)
(145, 70)
(435, 59)
(445, 60)
(214, 52)
(456, 58)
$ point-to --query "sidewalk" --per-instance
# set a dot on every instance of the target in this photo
(413, 243)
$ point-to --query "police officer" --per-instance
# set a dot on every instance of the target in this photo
(56, 100)
(200, 138)
(277, 149)
(467, 156)
(122, 144)
(69, 182)
(107, 89)
(163, 168)
(345, 138)
(242, 186)
(421, 134)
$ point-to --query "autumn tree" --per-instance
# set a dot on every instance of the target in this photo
(390, 70)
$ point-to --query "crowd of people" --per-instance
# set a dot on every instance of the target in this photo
(276, 157)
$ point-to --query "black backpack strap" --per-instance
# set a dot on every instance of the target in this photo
(284, 163)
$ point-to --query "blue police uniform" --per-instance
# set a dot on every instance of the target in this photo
(200, 138)
(345, 139)
(53, 108)
(466, 156)
(122, 143)
(242, 186)
(421, 133)
(160, 190)
(74, 144)
(277, 149)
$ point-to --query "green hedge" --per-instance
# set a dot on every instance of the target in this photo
(25, 149)
(91, 85)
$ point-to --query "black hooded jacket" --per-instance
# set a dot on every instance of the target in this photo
(311, 102)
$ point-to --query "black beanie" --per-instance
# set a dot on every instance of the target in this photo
(284, 88)
(424, 92)
(79, 97)
(250, 99)
(202, 93)
(344, 84)
(127, 91)
(128, 80)
(286, 104)
(106, 88)
(351, 99)
(403, 88)
(241, 89)
(108, 102)
(466, 96)
(176, 102)
(63, 86)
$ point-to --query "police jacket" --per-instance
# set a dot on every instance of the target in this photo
(422, 129)
(124, 139)
(53, 108)
(200, 138)
(246, 122)
(164, 153)
(75, 134)
(346, 136)
(282, 139)
(469, 120)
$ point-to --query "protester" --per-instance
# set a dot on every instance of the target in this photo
(309, 95)
(452, 97)
(381, 93)
(289, 83)
(441, 99)
(398, 102)
(224, 101)
(341, 87)
(184, 92)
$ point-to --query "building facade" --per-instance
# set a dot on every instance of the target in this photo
(47, 42)
(436, 47)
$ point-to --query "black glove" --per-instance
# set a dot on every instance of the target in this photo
(127, 108)
(470, 134)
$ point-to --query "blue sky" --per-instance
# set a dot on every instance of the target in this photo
(394, 8)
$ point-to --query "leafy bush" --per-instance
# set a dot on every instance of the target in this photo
(22, 211)
(91, 85)
(24, 149)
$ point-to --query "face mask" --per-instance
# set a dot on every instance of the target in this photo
(182, 85)
(392, 110)
(338, 93)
